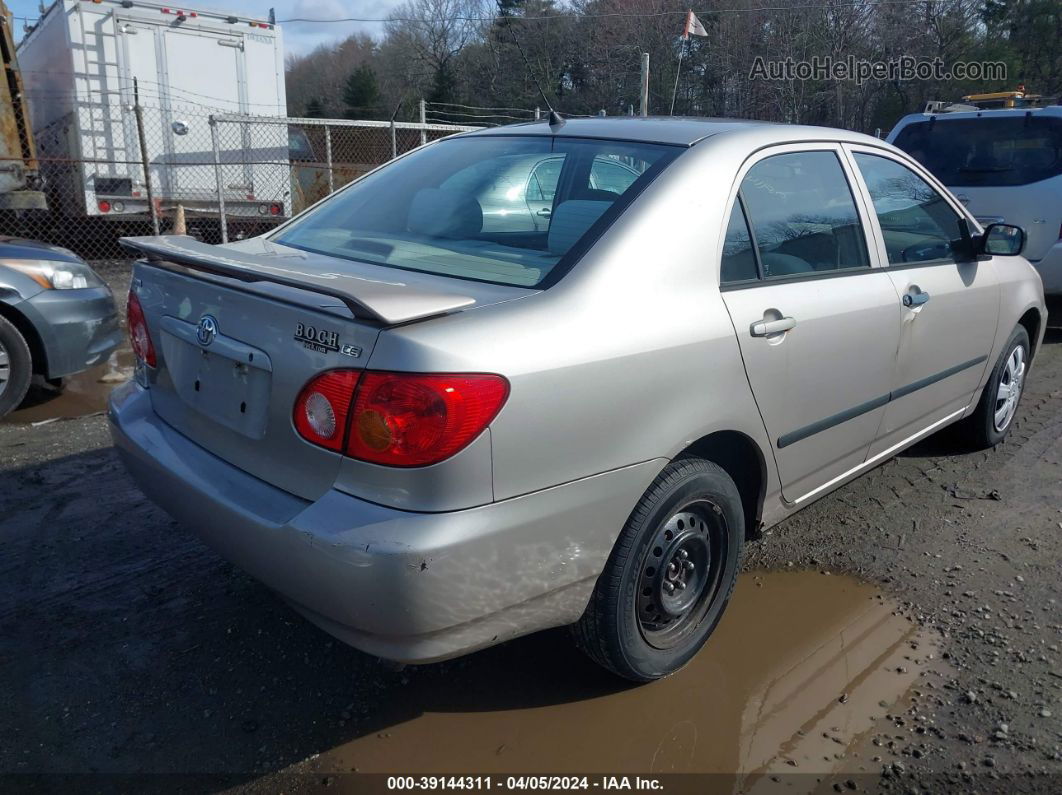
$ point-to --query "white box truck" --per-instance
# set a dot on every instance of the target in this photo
(81, 63)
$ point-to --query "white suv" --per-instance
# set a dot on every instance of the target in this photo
(1004, 165)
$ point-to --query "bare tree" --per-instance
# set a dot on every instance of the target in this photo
(585, 56)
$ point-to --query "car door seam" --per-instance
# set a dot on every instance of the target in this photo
(752, 390)
(855, 411)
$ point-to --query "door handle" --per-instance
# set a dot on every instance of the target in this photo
(545, 212)
(915, 299)
(765, 328)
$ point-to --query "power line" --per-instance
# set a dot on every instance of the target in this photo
(487, 115)
(170, 91)
(477, 107)
(603, 15)
(624, 14)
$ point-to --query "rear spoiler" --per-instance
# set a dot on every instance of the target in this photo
(385, 302)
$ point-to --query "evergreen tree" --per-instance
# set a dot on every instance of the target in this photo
(361, 94)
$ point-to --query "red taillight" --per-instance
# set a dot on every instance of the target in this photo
(275, 209)
(104, 205)
(138, 331)
(406, 419)
(323, 406)
(399, 419)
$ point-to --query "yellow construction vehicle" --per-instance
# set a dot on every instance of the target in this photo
(19, 179)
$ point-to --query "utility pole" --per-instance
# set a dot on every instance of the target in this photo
(138, 113)
(394, 134)
(645, 84)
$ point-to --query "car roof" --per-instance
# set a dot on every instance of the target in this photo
(673, 130)
(979, 113)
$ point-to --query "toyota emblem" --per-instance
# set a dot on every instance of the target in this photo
(206, 330)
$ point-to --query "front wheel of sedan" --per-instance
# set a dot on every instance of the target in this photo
(670, 574)
(999, 401)
(16, 367)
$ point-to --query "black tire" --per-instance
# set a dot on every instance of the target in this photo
(982, 429)
(16, 367)
(633, 625)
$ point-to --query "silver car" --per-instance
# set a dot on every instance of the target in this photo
(430, 436)
(516, 192)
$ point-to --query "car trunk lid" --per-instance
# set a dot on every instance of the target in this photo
(238, 334)
(371, 297)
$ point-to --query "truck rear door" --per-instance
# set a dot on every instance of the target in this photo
(269, 171)
(205, 70)
(138, 53)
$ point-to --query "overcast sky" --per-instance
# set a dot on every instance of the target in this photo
(299, 37)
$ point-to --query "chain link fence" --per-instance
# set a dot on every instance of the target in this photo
(270, 168)
(108, 169)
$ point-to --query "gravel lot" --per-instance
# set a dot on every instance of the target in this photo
(928, 658)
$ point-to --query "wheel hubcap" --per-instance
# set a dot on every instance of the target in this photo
(1008, 392)
(680, 573)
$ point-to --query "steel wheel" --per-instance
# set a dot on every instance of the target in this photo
(669, 577)
(5, 367)
(680, 573)
(1008, 391)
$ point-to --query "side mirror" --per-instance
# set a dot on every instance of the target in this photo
(1004, 240)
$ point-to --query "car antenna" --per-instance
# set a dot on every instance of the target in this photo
(556, 121)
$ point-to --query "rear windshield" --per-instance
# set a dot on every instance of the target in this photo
(501, 209)
(1007, 150)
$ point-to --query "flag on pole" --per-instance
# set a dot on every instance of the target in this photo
(693, 26)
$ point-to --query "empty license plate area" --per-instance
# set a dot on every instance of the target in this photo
(227, 381)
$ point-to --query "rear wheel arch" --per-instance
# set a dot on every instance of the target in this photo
(741, 458)
(29, 333)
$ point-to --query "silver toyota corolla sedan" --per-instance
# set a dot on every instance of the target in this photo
(431, 433)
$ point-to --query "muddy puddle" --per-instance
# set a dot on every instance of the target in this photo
(792, 681)
(82, 394)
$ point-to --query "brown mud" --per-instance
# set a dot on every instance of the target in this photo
(800, 668)
(81, 395)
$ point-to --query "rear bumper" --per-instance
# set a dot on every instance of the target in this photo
(78, 328)
(1050, 270)
(414, 587)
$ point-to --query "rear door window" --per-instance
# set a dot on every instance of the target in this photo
(987, 151)
(543, 183)
(917, 223)
(802, 215)
(739, 260)
(612, 175)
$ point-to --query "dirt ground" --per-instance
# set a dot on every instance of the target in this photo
(902, 633)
